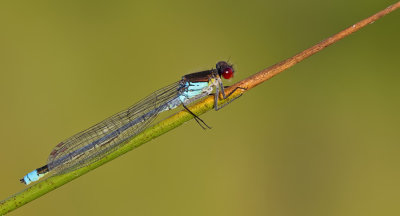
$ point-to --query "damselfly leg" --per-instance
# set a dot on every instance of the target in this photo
(221, 88)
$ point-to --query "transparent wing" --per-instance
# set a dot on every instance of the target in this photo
(99, 140)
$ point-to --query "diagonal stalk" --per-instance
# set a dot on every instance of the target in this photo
(51, 183)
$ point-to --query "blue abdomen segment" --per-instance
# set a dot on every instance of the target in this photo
(193, 89)
(32, 177)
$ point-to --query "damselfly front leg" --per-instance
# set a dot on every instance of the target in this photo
(220, 87)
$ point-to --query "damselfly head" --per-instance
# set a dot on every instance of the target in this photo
(225, 70)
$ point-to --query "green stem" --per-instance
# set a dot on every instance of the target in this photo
(51, 183)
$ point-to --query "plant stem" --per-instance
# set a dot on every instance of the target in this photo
(51, 183)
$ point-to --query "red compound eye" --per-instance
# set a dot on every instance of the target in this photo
(227, 73)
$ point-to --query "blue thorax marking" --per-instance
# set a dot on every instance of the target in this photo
(192, 89)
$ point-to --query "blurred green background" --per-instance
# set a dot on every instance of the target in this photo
(320, 139)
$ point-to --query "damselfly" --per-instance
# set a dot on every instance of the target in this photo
(105, 137)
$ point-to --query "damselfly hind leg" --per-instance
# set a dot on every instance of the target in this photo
(198, 119)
